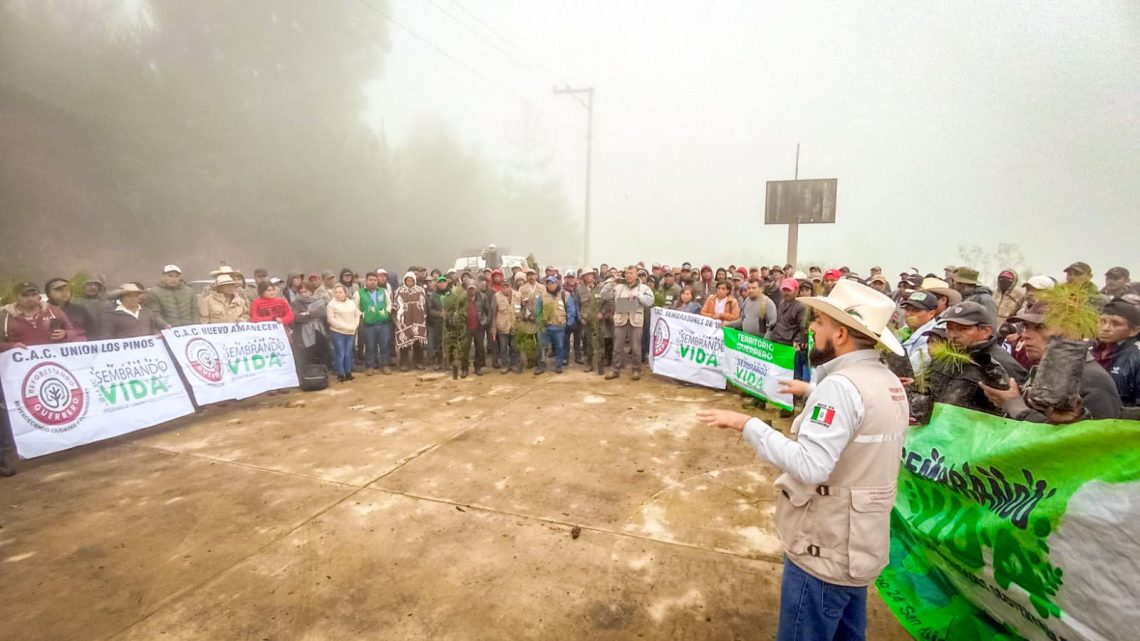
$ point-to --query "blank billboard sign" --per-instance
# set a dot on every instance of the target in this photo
(805, 201)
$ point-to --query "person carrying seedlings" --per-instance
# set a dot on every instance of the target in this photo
(1116, 349)
(1065, 384)
(590, 303)
(558, 310)
(456, 341)
(974, 356)
(921, 309)
(840, 466)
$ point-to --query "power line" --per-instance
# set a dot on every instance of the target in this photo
(481, 36)
(452, 58)
(534, 62)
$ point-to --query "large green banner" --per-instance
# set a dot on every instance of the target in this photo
(1011, 530)
(756, 365)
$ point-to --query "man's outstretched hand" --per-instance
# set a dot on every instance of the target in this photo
(723, 419)
(796, 388)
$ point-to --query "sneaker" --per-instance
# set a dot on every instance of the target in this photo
(339, 378)
(636, 375)
(5, 471)
(387, 371)
(370, 371)
(557, 370)
(349, 377)
(504, 370)
(612, 375)
(539, 372)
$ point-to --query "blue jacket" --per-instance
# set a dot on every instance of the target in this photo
(571, 308)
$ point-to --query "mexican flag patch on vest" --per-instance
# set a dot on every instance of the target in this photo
(822, 415)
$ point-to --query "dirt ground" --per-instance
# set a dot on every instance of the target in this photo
(405, 507)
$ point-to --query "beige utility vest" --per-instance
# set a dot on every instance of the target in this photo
(508, 308)
(553, 308)
(840, 531)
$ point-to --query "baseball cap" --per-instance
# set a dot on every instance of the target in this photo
(921, 300)
(1117, 272)
(1040, 282)
(1008, 273)
(878, 278)
(914, 280)
(833, 274)
(968, 313)
(789, 284)
(736, 275)
(552, 279)
(441, 279)
(743, 271)
(1126, 310)
(380, 271)
(328, 274)
(171, 268)
(1035, 315)
(25, 288)
(1079, 267)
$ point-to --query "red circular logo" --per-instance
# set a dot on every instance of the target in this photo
(53, 399)
(660, 337)
(204, 360)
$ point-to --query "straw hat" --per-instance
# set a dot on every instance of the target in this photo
(860, 308)
(129, 288)
(942, 288)
(224, 279)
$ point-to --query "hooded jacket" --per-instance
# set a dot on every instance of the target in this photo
(35, 329)
(983, 296)
(1009, 302)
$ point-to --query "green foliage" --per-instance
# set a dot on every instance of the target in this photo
(77, 281)
(1070, 311)
(948, 358)
(532, 262)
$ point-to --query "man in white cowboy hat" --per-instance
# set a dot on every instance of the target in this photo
(946, 295)
(129, 318)
(223, 303)
(840, 466)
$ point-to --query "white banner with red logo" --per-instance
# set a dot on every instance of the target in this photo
(68, 394)
(229, 361)
(688, 347)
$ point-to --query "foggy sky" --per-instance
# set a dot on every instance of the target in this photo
(946, 124)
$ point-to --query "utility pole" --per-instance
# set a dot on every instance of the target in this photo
(794, 226)
(589, 105)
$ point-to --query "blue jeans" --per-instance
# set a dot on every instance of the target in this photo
(377, 338)
(555, 335)
(814, 610)
(802, 372)
(508, 350)
(342, 353)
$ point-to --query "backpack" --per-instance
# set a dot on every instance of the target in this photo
(314, 377)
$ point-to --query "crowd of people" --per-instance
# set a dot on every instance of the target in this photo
(464, 321)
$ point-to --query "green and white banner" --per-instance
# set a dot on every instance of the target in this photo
(756, 365)
(228, 361)
(687, 347)
(63, 395)
(1010, 530)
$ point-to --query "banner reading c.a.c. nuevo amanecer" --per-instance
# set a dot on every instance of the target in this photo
(1010, 530)
(227, 361)
(687, 347)
(63, 395)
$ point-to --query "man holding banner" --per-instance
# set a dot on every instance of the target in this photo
(840, 468)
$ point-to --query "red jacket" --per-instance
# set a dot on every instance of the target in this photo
(267, 310)
(17, 327)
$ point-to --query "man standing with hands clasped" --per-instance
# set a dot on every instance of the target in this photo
(839, 468)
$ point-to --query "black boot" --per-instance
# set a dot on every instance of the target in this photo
(463, 372)
(455, 372)
(478, 370)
